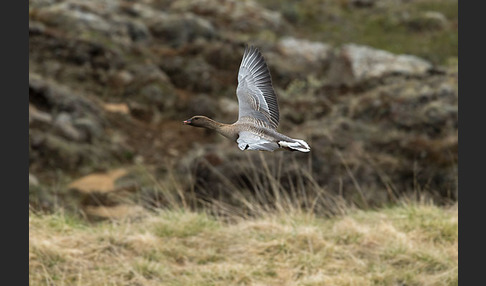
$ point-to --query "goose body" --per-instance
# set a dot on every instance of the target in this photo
(258, 116)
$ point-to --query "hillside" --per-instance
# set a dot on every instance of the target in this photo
(372, 86)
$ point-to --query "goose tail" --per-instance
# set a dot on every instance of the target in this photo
(296, 145)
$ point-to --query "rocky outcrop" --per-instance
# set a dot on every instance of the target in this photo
(67, 130)
(111, 81)
(354, 64)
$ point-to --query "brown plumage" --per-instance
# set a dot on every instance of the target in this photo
(258, 116)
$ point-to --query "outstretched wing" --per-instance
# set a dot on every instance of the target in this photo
(256, 98)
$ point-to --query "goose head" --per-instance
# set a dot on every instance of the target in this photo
(199, 121)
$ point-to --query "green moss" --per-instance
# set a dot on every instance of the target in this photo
(62, 222)
(181, 224)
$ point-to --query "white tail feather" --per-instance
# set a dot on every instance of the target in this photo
(299, 145)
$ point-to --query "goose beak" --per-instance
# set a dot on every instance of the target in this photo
(186, 122)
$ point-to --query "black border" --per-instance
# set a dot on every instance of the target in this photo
(471, 142)
(14, 126)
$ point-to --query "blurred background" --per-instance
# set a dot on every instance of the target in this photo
(371, 85)
(122, 193)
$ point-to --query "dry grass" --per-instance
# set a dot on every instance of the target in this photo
(411, 244)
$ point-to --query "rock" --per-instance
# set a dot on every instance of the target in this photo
(75, 54)
(194, 74)
(153, 94)
(78, 43)
(236, 15)
(61, 135)
(75, 16)
(97, 21)
(35, 115)
(304, 51)
(41, 197)
(357, 64)
(51, 151)
(138, 31)
(90, 128)
(426, 21)
(438, 114)
(49, 95)
(223, 56)
(147, 73)
(33, 181)
(36, 27)
(64, 126)
(178, 30)
(229, 106)
(121, 79)
(142, 11)
(298, 57)
(363, 3)
(427, 106)
(41, 3)
(143, 112)
(150, 90)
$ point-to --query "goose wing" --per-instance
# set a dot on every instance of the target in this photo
(256, 98)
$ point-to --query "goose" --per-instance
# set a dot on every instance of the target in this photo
(258, 114)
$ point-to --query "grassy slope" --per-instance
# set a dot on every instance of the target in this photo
(409, 245)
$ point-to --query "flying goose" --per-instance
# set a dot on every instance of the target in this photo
(256, 127)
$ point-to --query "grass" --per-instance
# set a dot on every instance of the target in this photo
(408, 244)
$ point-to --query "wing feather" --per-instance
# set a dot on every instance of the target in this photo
(256, 97)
